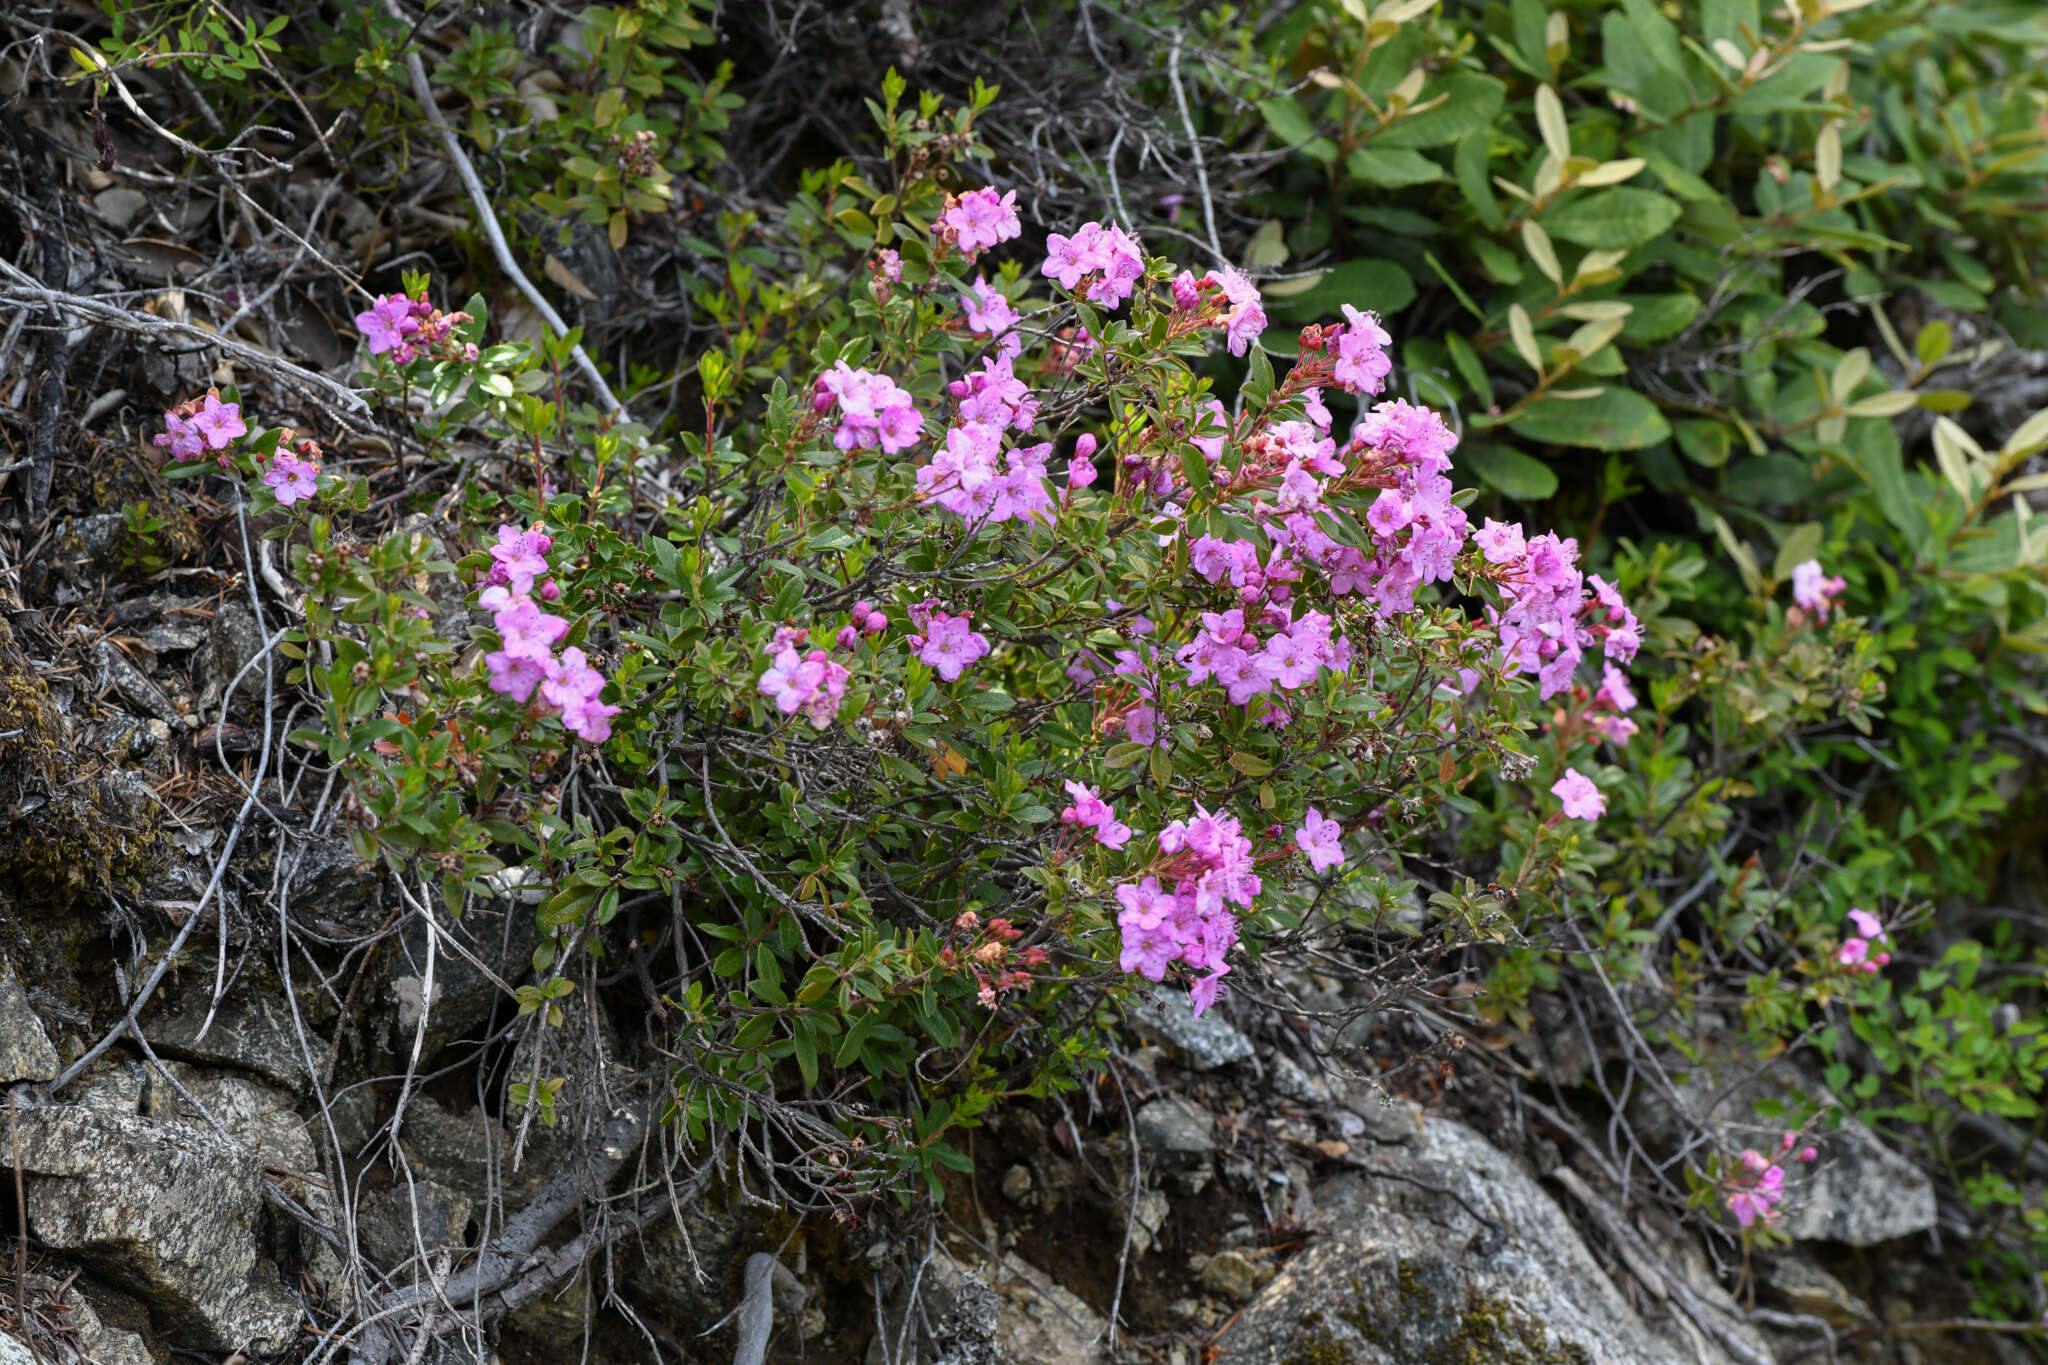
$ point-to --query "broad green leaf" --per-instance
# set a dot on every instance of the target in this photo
(1798, 547)
(1472, 103)
(1704, 442)
(1657, 317)
(1392, 167)
(1288, 120)
(1470, 164)
(1373, 283)
(1619, 217)
(1550, 122)
(1522, 477)
(1619, 419)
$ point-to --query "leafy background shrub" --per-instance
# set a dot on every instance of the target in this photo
(1717, 290)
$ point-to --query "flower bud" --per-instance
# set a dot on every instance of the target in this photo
(847, 638)
(550, 591)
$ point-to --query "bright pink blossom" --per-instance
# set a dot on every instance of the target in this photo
(1582, 800)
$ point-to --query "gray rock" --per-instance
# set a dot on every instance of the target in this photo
(387, 1221)
(133, 686)
(1205, 1043)
(168, 1212)
(1296, 1084)
(252, 1030)
(328, 880)
(965, 1319)
(234, 641)
(26, 1053)
(107, 1342)
(500, 933)
(1398, 1273)
(259, 1116)
(689, 1273)
(13, 1352)
(120, 206)
(114, 1083)
(1181, 1139)
(1859, 1192)
(1392, 1123)
(1234, 1275)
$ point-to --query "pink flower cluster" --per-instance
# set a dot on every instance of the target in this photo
(198, 425)
(1209, 861)
(1108, 257)
(292, 479)
(865, 621)
(1550, 621)
(1855, 952)
(989, 313)
(525, 659)
(1360, 352)
(1813, 591)
(973, 477)
(404, 327)
(947, 644)
(1229, 652)
(1229, 300)
(1756, 1189)
(813, 682)
(977, 220)
(1611, 704)
(872, 410)
(1090, 811)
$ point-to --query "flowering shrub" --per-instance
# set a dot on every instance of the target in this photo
(831, 667)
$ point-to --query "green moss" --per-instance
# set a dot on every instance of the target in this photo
(1487, 1330)
(66, 828)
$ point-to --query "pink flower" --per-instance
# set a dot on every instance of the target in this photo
(386, 325)
(181, 437)
(873, 410)
(989, 314)
(1582, 800)
(1322, 840)
(574, 687)
(520, 557)
(1244, 318)
(1813, 590)
(950, 646)
(1866, 924)
(292, 479)
(1108, 253)
(515, 675)
(889, 265)
(527, 631)
(1614, 690)
(219, 423)
(1362, 363)
(1500, 541)
(1090, 811)
(979, 219)
(1206, 989)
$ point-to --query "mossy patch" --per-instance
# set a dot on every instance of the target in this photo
(67, 827)
(1483, 1329)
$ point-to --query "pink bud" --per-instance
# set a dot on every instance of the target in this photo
(1084, 447)
(1808, 1154)
(822, 398)
(551, 591)
(861, 609)
(1786, 1144)
(847, 637)
(876, 623)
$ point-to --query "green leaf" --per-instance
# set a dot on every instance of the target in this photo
(1466, 360)
(1471, 164)
(1618, 419)
(1473, 103)
(1251, 765)
(1656, 317)
(1658, 35)
(1288, 120)
(1521, 477)
(1392, 167)
(1621, 217)
(1371, 283)
(1705, 443)
(1801, 545)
